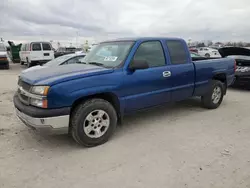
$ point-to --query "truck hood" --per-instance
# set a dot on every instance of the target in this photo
(53, 75)
(234, 51)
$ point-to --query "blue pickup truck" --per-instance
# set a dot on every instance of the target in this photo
(116, 78)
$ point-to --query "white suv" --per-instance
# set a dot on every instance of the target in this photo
(34, 53)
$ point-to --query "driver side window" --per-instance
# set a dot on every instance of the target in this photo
(152, 53)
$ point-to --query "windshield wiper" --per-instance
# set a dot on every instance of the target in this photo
(96, 63)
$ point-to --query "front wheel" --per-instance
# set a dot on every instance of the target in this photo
(215, 95)
(93, 122)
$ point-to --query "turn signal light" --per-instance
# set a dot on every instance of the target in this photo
(3, 58)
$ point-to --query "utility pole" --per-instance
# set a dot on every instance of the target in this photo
(77, 39)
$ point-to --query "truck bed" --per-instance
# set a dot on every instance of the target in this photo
(206, 68)
(203, 58)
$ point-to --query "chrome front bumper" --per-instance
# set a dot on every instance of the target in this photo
(51, 125)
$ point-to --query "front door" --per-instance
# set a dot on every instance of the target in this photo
(147, 87)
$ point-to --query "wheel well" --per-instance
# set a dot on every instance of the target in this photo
(110, 97)
(222, 77)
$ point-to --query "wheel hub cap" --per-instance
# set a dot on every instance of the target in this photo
(96, 124)
(216, 96)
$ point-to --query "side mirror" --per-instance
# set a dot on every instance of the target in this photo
(138, 64)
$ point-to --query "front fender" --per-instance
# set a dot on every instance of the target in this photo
(92, 91)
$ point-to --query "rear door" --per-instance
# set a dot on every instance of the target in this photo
(48, 53)
(147, 87)
(36, 51)
(23, 53)
(182, 70)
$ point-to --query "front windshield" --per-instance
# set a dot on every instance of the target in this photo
(109, 54)
(2, 48)
(59, 60)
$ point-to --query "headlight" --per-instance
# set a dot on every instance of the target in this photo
(42, 103)
(40, 90)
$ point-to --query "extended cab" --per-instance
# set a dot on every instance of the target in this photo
(117, 78)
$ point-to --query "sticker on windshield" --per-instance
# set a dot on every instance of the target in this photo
(110, 58)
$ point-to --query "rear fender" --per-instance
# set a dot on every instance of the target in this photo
(223, 78)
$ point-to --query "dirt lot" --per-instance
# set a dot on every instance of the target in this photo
(180, 146)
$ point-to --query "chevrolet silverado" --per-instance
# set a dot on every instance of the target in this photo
(116, 78)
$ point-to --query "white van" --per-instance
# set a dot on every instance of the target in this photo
(34, 53)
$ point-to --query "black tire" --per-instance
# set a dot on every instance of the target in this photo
(7, 67)
(208, 101)
(207, 55)
(80, 114)
(28, 63)
(21, 62)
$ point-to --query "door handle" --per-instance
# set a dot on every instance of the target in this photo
(166, 74)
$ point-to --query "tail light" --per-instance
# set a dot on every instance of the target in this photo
(3, 58)
(235, 66)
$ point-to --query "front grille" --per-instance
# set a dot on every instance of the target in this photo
(24, 85)
(23, 98)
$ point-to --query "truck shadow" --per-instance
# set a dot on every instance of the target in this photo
(139, 120)
(167, 112)
(239, 88)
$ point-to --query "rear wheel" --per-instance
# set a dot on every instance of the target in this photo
(93, 122)
(28, 63)
(215, 95)
(7, 66)
(207, 55)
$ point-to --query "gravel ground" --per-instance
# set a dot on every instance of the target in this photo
(179, 146)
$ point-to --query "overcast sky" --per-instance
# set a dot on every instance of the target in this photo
(63, 20)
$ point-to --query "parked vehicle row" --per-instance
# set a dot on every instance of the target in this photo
(66, 50)
(117, 78)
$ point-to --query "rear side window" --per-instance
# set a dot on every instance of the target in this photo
(46, 46)
(177, 52)
(151, 52)
(36, 47)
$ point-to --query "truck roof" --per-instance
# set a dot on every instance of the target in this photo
(143, 38)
